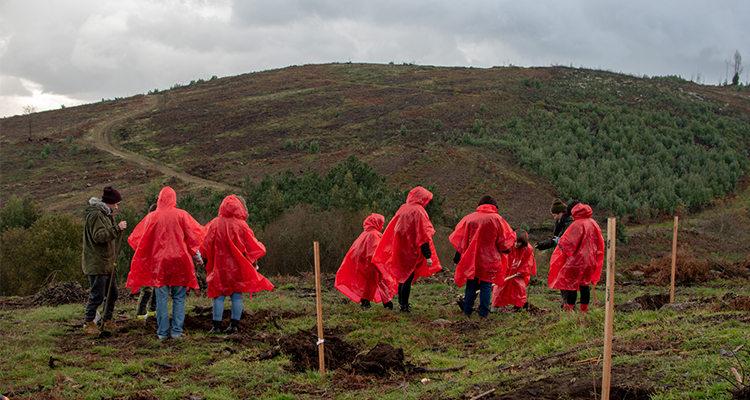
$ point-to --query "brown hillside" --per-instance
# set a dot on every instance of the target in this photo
(218, 132)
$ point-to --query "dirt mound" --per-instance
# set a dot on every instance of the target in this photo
(534, 310)
(303, 350)
(652, 302)
(463, 327)
(579, 386)
(69, 292)
(382, 360)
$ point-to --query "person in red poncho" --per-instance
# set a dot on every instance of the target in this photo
(406, 251)
(578, 257)
(232, 252)
(481, 240)
(358, 278)
(164, 242)
(521, 265)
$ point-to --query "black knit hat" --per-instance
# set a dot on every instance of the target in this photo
(557, 206)
(111, 195)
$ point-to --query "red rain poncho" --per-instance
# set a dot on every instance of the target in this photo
(579, 255)
(164, 242)
(358, 278)
(230, 249)
(399, 253)
(480, 237)
(513, 291)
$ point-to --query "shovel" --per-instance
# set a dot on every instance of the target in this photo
(104, 332)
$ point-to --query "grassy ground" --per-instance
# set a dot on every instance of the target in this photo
(657, 354)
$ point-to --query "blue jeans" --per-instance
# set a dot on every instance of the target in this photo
(178, 309)
(236, 306)
(485, 295)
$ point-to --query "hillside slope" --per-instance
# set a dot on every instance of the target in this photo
(405, 121)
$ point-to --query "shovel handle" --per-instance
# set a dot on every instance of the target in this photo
(112, 277)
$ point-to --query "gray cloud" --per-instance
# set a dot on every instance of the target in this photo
(85, 50)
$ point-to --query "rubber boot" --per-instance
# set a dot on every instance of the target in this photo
(90, 329)
(216, 328)
(233, 327)
(569, 307)
(365, 304)
(388, 305)
(584, 308)
(109, 326)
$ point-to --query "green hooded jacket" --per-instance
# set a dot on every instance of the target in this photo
(99, 235)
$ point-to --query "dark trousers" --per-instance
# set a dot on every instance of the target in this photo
(585, 295)
(146, 300)
(98, 295)
(404, 290)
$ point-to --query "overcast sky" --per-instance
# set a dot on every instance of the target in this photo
(55, 52)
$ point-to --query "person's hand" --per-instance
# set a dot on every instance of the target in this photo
(429, 262)
(255, 264)
(122, 225)
(198, 259)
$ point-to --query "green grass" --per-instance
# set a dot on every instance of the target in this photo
(674, 354)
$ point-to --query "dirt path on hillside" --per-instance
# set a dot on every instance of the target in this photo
(100, 138)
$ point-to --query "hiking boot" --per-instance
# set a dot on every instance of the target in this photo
(216, 329)
(90, 329)
(109, 326)
(233, 327)
(388, 305)
(365, 304)
(406, 309)
(141, 318)
(151, 313)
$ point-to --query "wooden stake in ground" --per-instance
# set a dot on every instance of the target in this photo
(674, 260)
(319, 301)
(610, 308)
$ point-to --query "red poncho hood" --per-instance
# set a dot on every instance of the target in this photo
(164, 242)
(480, 237)
(579, 255)
(399, 253)
(358, 278)
(230, 249)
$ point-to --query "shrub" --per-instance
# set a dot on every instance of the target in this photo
(30, 255)
(289, 240)
(74, 150)
(20, 212)
(402, 130)
(314, 147)
(438, 124)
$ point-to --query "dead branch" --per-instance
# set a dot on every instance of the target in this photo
(479, 396)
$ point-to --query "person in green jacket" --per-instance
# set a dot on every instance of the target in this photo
(99, 255)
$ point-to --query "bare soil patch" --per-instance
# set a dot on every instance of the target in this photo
(582, 385)
(303, 350)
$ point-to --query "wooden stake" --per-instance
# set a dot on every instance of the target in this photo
(674, 260)
(319, 303)
(610, 308)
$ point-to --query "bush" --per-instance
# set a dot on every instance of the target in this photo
(30, 255)
(289, 240)
(20, 212)
(438, 124)
(314, 147)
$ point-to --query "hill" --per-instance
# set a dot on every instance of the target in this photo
(640, 148)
